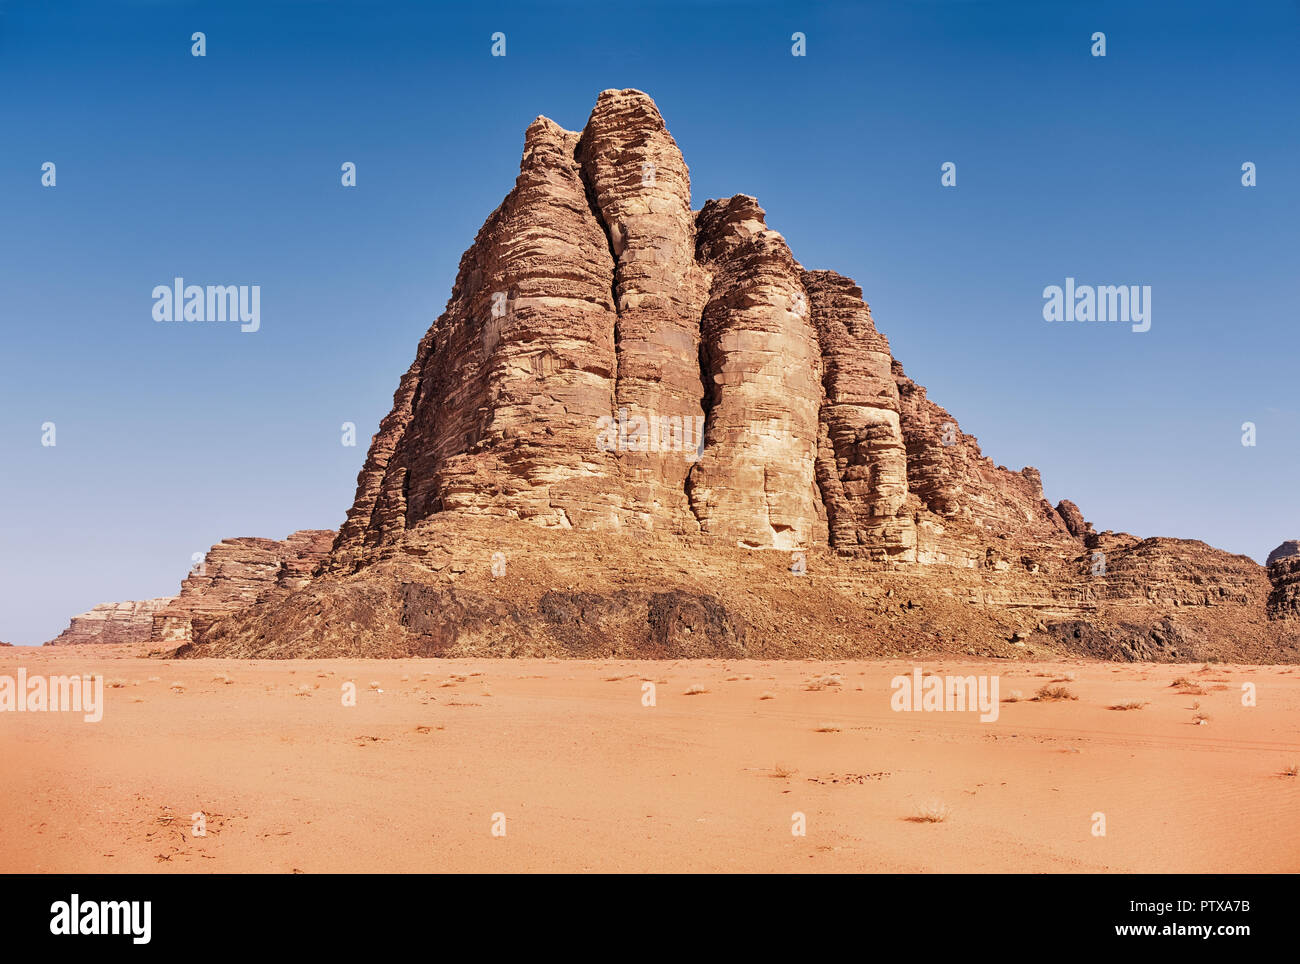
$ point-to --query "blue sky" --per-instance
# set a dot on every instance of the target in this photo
(225, 170)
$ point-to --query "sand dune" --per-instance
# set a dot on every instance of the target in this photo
(588, 778)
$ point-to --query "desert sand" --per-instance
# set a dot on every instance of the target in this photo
(590, 779)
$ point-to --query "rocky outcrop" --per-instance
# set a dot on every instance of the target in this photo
(120, 622)
(1073, 519)
(640, 191)
(755, 480)
(861, 451)
(234, 575)
(498, 414)
(1284, 598)
(623, 399)
(1286, 550)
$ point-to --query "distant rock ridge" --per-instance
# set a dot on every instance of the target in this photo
(617, 378)
(110, 623)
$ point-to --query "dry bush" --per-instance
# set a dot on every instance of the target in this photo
(827, 728)
(1050, 694)
(695, 691)
(1131, 705)
(933, 811)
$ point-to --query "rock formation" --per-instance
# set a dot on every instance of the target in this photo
(119, 622)
(625, 398)
(236, 574)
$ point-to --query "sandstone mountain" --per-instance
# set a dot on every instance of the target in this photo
(119, 622)
(640, 429)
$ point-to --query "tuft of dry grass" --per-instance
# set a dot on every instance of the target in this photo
(827, 728)
(116, 684)
(695, 691)
(782, 772)
(1014, 697)
(1050, 694)
(932, 811)
(1181, 681)
(767, 696)
(1131, 705)
(1292, 771)
(1200, 718)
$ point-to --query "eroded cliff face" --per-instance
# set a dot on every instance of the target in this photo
(631, 397)
(237, 574)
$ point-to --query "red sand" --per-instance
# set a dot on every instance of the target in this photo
(590, 779)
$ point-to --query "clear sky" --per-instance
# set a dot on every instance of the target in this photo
(225, 169)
